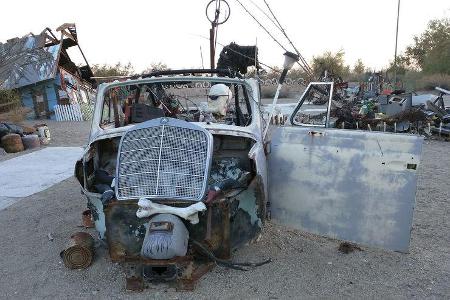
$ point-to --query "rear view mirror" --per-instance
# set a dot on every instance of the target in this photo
(313, 108)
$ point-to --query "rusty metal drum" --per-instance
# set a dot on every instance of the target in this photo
(31, 141)
(79, 253)
(12, 143)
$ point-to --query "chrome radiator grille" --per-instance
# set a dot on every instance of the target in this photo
(164, 158)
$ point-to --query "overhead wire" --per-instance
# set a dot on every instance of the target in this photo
(262, 26)
(310, 72)
(265, 13)
(277, 24)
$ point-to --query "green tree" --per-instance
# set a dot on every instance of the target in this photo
(359, 67)
(331, 62)
(118, 69)
(154, 67)
(403, 65)
(430, 47)
(437, 60)
(296, 73)
(9, 99)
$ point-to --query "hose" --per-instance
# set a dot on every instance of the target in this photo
(226, 263)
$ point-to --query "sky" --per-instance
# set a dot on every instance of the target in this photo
(175, 32)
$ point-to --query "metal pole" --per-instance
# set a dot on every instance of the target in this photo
(396, 40)
(274, 104)
(201, 56)
(211, 46)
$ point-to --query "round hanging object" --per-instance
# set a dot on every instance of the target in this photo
(31, 141)
(217, 11)
(12, 143)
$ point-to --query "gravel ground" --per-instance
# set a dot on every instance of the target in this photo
(303, 265)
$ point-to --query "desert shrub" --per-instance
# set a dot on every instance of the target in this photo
(118, 69)
(429, 82)
(9, 100)
(331, 62)
(416, 81)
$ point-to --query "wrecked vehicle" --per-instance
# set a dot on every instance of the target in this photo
(178, 174)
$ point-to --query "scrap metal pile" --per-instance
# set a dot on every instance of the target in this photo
(393, 111)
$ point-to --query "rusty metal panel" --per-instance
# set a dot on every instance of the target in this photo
(125, 232)
(350, 185)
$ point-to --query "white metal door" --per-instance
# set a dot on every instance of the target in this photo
(352, 185)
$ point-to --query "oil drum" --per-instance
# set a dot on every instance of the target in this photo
(79, 252)
(31, 141)
(12, 143)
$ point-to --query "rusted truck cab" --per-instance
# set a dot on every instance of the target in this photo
(147, 143)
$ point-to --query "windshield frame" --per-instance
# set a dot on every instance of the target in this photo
(250, 102)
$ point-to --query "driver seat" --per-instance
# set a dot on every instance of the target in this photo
(141, 112)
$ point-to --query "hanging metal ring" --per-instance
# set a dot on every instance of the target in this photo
(213, 20)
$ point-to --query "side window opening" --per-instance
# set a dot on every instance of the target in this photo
(314, 106)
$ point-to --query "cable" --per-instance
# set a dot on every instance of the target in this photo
(305, 65)
(268, 17)
(309, 70)
(229, 264)
(256, 20)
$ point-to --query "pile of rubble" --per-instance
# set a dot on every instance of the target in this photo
(393, 111)
(16, 138)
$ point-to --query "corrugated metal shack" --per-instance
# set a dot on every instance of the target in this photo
(40, 69)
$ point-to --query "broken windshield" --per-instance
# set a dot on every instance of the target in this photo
(192, 101)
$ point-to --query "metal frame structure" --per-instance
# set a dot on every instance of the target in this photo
(302, 100)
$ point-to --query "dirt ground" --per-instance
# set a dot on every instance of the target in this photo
(303, 265)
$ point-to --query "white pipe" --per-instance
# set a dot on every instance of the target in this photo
(274, 103)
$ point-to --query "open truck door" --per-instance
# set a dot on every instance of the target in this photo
(352, 185)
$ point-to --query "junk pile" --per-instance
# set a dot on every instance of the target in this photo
(16, 138)
(393, 111)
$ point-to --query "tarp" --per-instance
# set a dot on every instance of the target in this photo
(34, 172)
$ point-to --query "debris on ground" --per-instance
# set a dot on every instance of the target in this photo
(346, 247)
(79, 252)
(371, 107)
(87, 220)
(16, 138)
